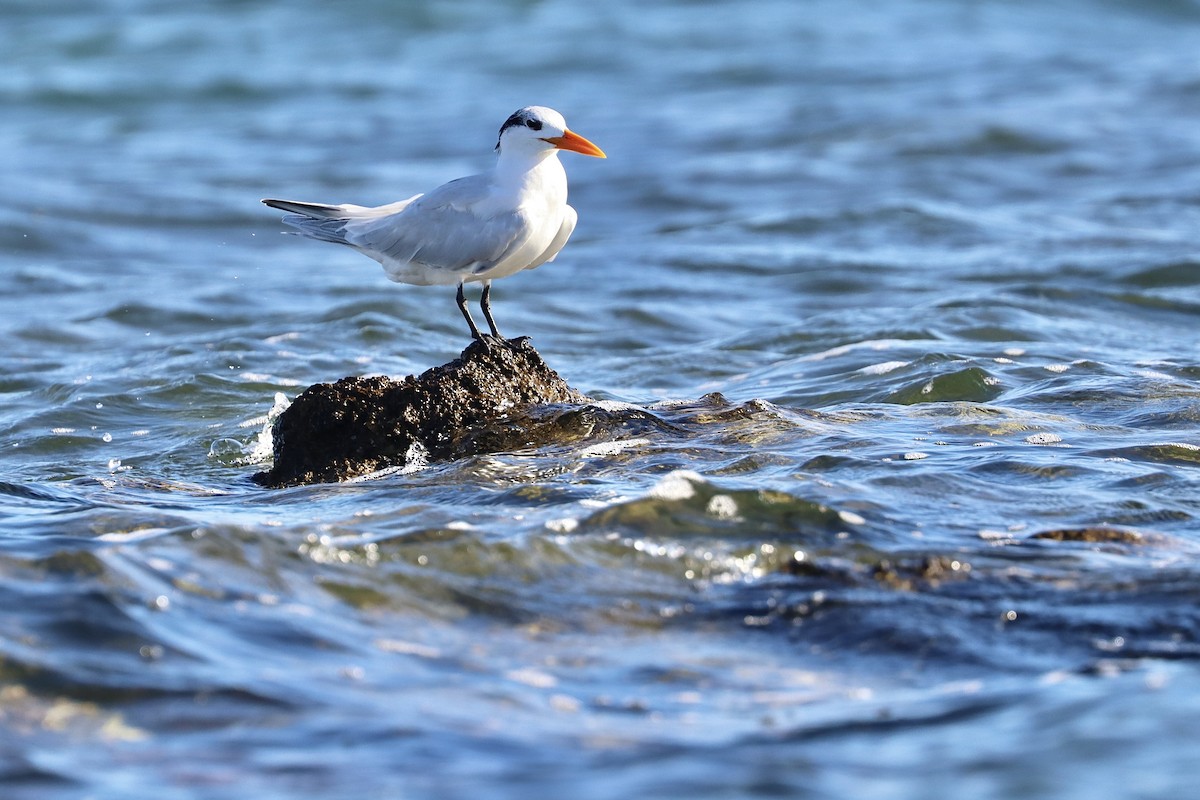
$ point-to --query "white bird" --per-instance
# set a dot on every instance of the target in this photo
(478, 228)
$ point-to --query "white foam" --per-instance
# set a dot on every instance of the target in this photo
(262, 447)
(532, 677)
(616, 405)
(415, 460)
(841, 350)
(722, 506)
(676, 485)
(283, 337)
(408, 648)
(124, 537)
(883, 368)
(851, 518)
(611, 448)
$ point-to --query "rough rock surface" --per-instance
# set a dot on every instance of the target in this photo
(480, 402)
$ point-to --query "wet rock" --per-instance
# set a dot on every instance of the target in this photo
(1097, 534)
(498, 395)
(928, 571)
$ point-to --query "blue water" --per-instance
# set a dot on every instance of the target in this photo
(910, 293)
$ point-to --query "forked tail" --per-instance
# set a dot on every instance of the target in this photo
(314, 220)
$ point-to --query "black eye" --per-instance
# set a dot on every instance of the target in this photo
(533, 124)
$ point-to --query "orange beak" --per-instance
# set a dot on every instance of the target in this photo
(576, 143)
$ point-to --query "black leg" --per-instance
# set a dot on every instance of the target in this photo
(485, 302)
(462, 306)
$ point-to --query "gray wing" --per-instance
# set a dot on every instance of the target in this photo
(441, 231)
(560, 238)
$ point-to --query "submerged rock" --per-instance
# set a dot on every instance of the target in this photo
(1099, 534)
(497, 395)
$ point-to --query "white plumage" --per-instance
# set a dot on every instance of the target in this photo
(477, 228)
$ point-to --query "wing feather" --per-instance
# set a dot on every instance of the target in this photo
(440, 236)
(570, 218)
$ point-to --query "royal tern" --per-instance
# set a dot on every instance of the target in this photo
(478, 228)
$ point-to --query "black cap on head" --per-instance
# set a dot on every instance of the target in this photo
(521, 117)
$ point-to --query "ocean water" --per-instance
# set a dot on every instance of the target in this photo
(909, 293)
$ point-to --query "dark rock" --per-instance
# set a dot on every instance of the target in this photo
(497, 395)
(930, 571)
(1098, 534)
